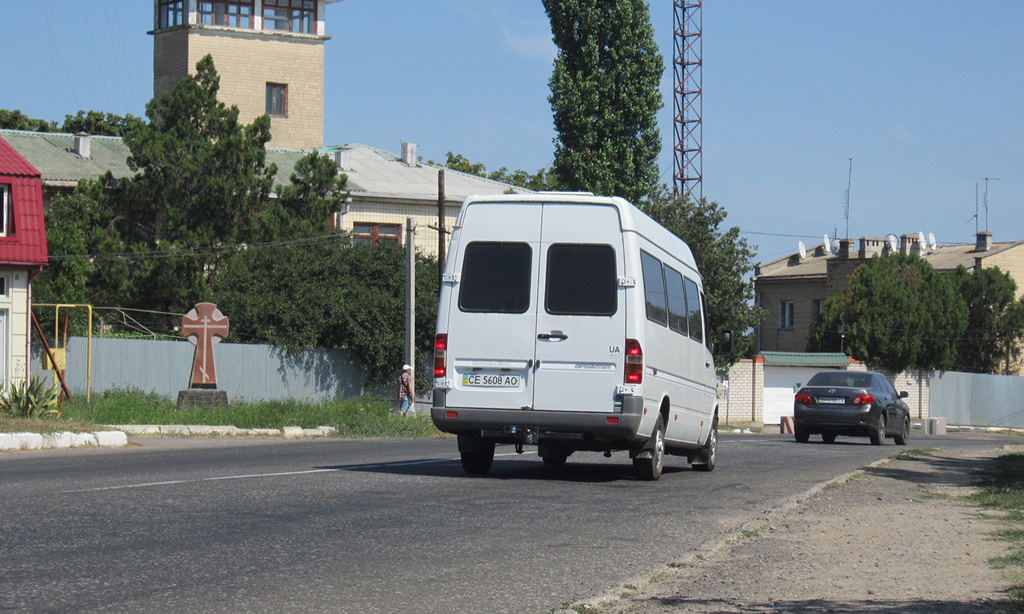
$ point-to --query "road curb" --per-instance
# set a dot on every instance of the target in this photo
(119, 437)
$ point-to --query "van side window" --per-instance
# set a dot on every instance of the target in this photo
(693, 310)
(676, 300)
(581, 280)
(496, 277)
(654, 288)
(704, 310)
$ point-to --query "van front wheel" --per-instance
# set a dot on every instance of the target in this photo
(651, 459)
(708, 456)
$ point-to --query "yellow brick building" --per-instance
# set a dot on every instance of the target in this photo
(269, 54)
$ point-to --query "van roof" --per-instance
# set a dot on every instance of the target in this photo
(632, 218)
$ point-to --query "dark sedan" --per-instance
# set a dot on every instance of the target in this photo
(856, 403)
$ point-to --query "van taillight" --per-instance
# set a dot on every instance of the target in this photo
(441, 355)
(634, 362)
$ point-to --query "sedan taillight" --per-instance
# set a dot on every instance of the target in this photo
(803, 397)
(863, 399)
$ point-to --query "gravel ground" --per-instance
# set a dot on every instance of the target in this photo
(893, 538)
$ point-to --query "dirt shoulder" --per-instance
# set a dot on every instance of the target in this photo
(892, 538)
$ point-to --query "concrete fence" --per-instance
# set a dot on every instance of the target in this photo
(977, 399)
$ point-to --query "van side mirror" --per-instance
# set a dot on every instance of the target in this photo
(904, 394)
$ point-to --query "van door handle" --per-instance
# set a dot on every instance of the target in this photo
(554, 335)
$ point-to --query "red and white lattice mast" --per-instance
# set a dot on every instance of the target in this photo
(687, 104)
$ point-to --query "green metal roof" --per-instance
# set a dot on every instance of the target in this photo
(806, 359)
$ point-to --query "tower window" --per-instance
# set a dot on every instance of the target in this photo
(170, 13)
(290, 15)
(231, 13)
(277, 100)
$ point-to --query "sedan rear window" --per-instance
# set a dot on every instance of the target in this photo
(496, 277)
(841, 378)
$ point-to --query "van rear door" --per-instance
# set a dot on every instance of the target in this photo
(581, 317)
(492, 316)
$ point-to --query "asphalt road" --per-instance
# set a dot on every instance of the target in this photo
(265, 525)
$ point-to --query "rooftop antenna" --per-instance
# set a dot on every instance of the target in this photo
(849, 182)
(984, 198)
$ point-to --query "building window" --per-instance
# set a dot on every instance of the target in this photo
(375, 234)
(290, 16)
(232, 13)
(170, 13)
(816, 305)
(786, 315)
(277, 100)
(6, 228)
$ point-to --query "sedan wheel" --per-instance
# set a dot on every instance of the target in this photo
(828, 437)
(904, 434)
(878, 435)
(801, 435)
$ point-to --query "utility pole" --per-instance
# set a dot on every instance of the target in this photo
(410, 295)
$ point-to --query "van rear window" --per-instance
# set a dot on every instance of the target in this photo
(496, 278)
(581, 280)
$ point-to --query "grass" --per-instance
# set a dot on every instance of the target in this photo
(1002, 489)
(914, 453)
(353, 418)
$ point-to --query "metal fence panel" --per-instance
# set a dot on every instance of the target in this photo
(246, 372)
(978, 399)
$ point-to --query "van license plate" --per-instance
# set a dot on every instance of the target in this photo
(490, 380)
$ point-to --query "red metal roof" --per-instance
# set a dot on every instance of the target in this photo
(25, 243)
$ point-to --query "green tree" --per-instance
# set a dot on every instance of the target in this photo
(327, 292)
(16, 120)
(605, 97)
(301, 208)
(540, 181)
(203, 181)
(96, 122)
(725, 261)
(896, 312)
(995, 321)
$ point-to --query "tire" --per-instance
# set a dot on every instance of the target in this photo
(708, 456)
(878, 434)
(801, 435)
(477, 459)
(649, 469)
(554, 461)
(904, 434)
(828, 437)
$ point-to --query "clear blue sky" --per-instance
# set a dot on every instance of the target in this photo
(924, 96)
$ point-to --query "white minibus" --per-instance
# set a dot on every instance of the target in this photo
(573, 323)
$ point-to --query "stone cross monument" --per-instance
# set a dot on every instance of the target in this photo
(204, 327)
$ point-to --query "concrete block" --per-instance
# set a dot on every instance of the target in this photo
(24, 441)
(174, 429)
(312, 432)
(136, 429)
(265, 432)
(292, 431)
(83, 440)
(934, 426)
(786, 425)
(328, 430)
(113, 439)
(57, 440)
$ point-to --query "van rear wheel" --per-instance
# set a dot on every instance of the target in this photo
(477, 454)
(648, 464)
(708, 455)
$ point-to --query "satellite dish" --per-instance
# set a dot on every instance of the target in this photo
(803, 250)
(827, 246)
(894, 243)
(931, 241)
(835, 246)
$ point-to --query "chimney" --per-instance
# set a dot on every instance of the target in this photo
(984, 241)
(846, 248)
(343, 158)
(409, 154)
(870, 246)
(82, 145)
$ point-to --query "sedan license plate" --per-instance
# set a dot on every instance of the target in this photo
(490, 380)
(831, 401)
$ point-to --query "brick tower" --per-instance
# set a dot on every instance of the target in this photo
(269, 54)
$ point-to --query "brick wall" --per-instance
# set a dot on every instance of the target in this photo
(744, 401)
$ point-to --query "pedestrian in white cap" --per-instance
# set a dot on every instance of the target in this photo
(406, 396)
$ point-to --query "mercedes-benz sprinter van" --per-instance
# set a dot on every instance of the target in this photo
(573, 322)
